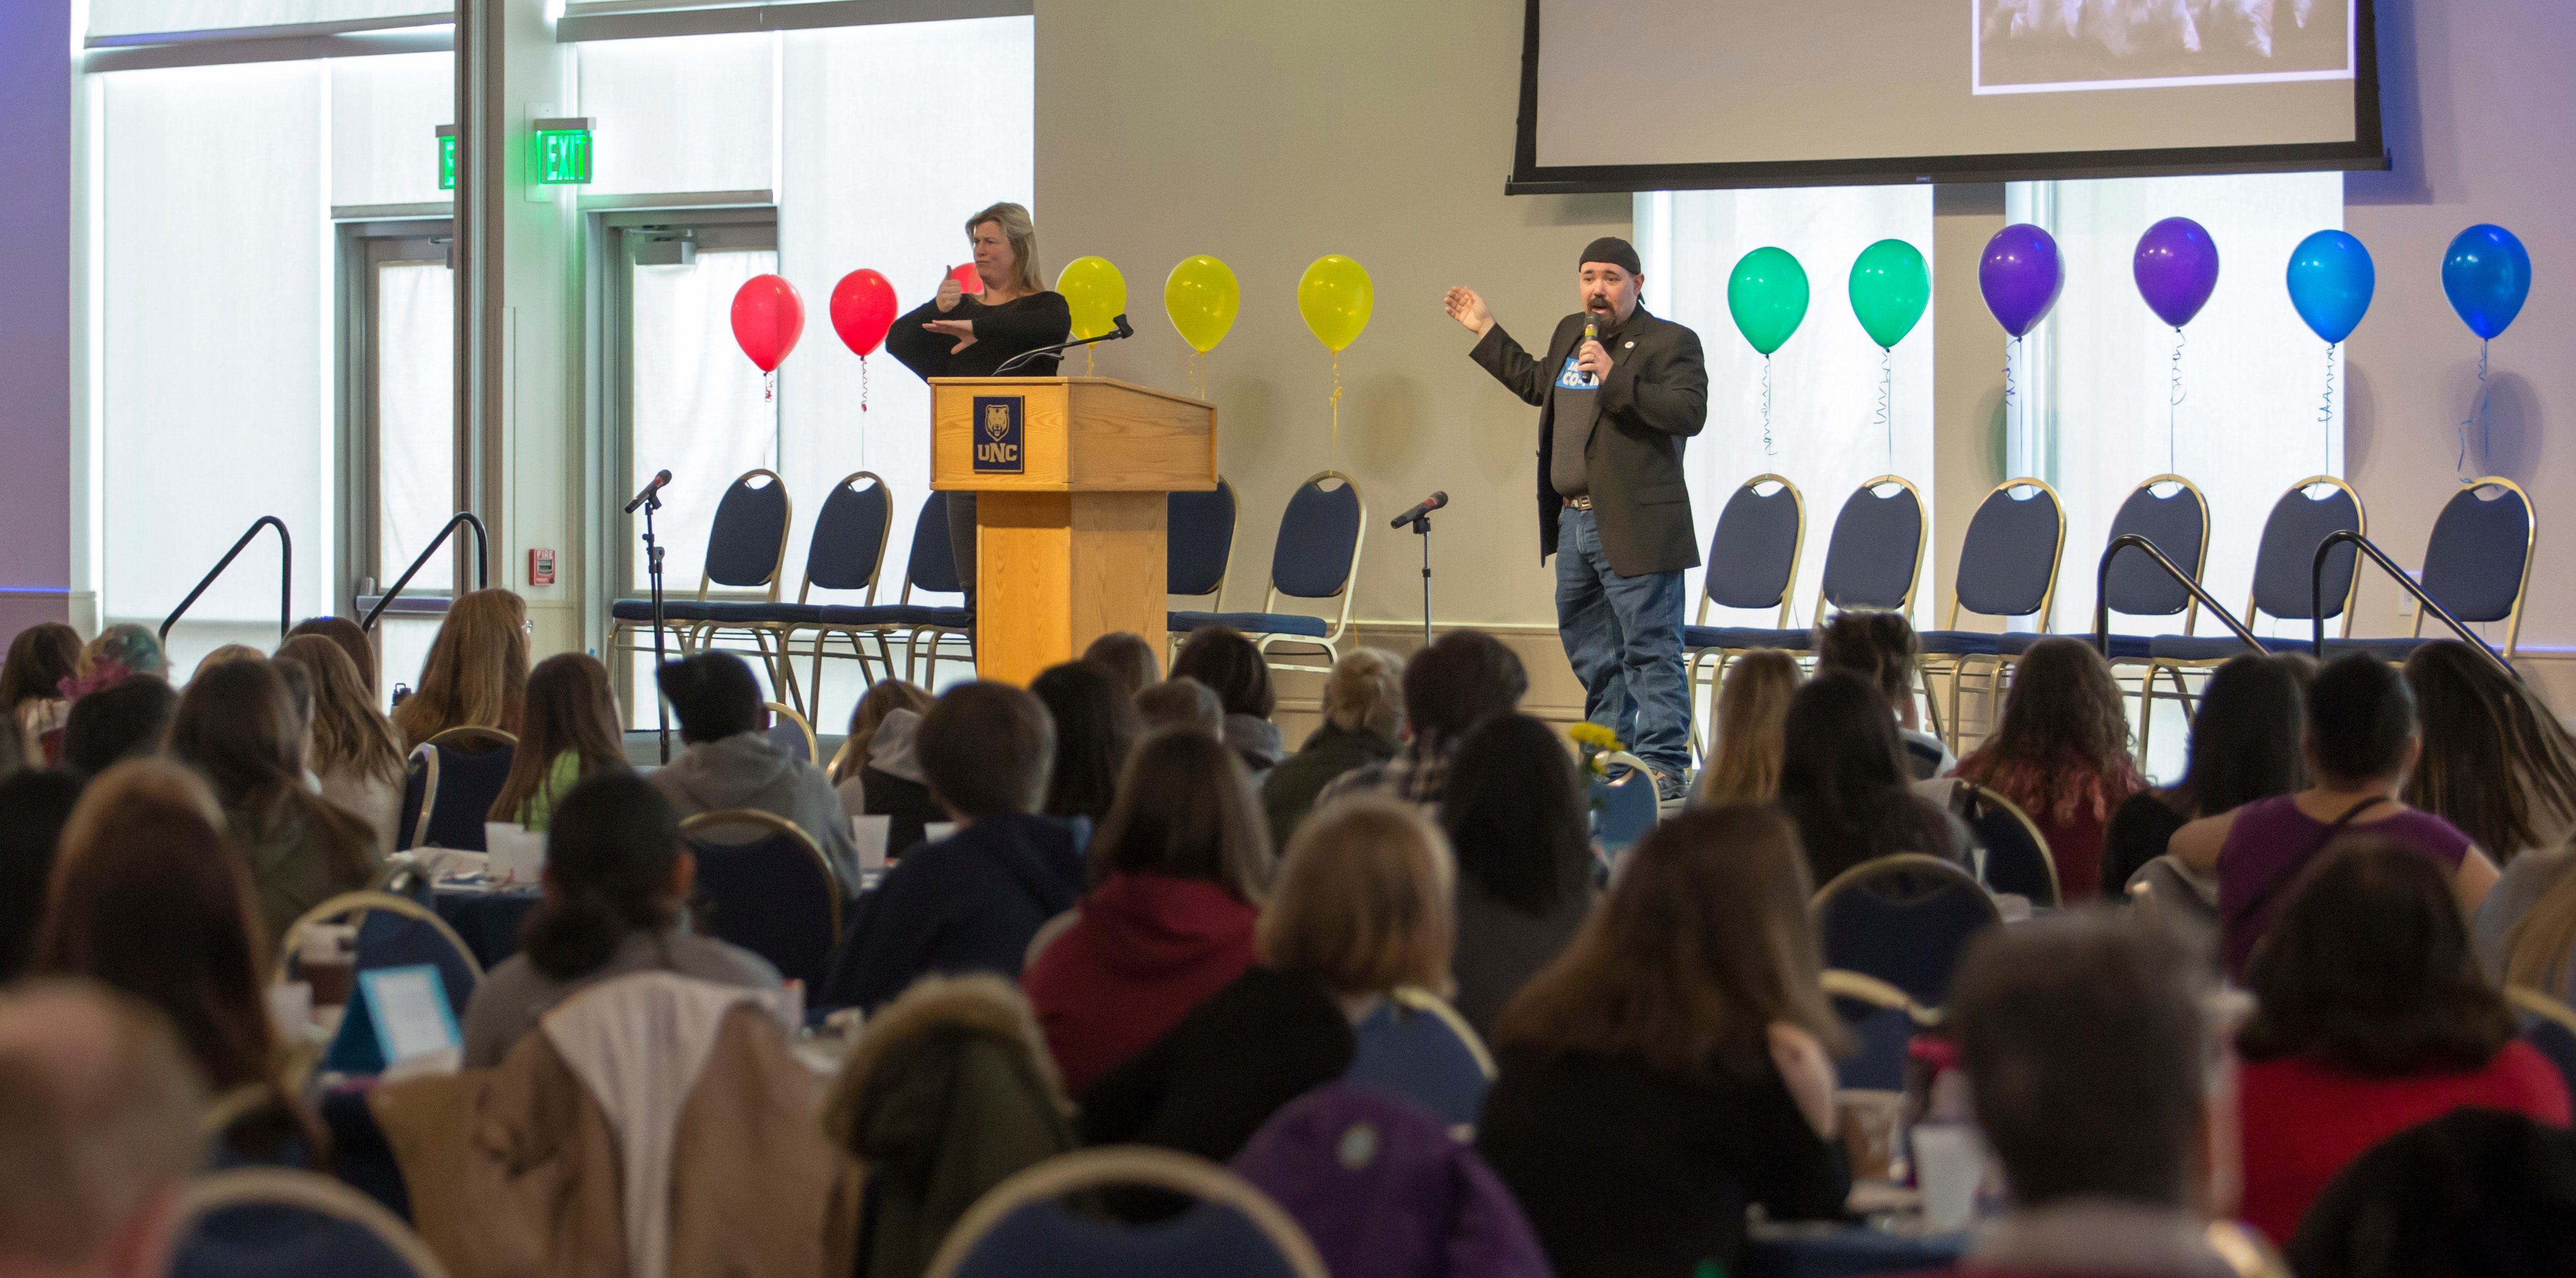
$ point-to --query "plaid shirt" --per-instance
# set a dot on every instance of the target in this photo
(1418, 774)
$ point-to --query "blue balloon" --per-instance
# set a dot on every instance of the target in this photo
(2330, 283)
(2487, 274)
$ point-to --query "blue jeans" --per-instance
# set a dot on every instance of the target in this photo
(1624, 636)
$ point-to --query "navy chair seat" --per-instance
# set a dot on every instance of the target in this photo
(1738, 637)
(757, 614)
(2212, 647)
(1881, 925)
(1411, 1049)
(856, 616)
(1961, 643)
(772, 896)
(387, 939)
(672, 610)
(1052, 1238)
(1251, 623)
(2393, 647)
(2123, 647)
(269, 1240)
(1882, 1035)
(458, 793)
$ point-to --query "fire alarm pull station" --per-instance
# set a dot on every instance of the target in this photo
(541, 567)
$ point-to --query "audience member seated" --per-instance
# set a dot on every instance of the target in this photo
(128, 719)
(98, 1133)
(2089, 1055)
(2496, 762)
(1752, 707)
(568, 733)
(971, 902)
(33, 807)
(1127, 658)
(1181, 703)
(2370, 1016)
(1843, 780)
(41, 660)
(1519, 821)
(948, 1092)
(1234, 669)
(353, 642)
(226, 654)
(2061, 755)
(354, 751)
(1095, 728)
(2360, 743)
(2526, 928)
(1881, 647)
(476, 674)
(731, 763)
(1363, 904)
(1178, 870)
(877, 773)
(237, 725)
(1464, 678)
(2244, 746)
(1363, 711)
(1671, 1067)
(2472, 1194)
(149, 896)
(617, 887)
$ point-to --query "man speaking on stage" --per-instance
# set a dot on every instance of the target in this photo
(1617, 393)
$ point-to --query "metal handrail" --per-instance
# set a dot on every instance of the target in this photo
(2102, 595)
(482, 563)
(2317, 586)
(285, 576)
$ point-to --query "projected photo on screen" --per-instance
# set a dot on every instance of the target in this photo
(2058, 46)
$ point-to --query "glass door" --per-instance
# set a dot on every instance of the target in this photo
(409, 446)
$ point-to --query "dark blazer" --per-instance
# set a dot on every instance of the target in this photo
(1655, 396)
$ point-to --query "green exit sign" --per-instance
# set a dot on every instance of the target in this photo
(563, 151)
(447, 157)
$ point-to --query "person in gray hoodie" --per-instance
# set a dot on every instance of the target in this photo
(731, 764)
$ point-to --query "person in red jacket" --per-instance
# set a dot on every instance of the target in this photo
(1177, 873)
(2372, 1016)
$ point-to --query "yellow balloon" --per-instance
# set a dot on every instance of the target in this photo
(1335, 297)
(1202, 297)
(1095, 291)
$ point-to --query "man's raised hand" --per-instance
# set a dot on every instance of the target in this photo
(1469, 309)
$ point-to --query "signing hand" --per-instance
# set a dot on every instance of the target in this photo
(1593, 359)
(1469, 309)
(949, 293)
(962, 330)
(1808, 1073)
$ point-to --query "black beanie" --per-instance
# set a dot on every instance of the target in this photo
(1613, 250)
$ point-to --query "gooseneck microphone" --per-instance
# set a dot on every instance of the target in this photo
(650, 490)
(1119, 327)
(1424, 507)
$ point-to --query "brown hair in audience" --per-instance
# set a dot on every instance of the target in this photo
(1365, 693)
(1517, 816)
(571, 709)
(1880, 647)
(1183, 703)
(40, 659)
(1186, 810)
(1744, 761)
(1464, 678)
(2064, 740)
(2538, 949)
(226, 655)
(1362, 901)
(1095, 728)
(1702, 943)
(349, 733)
(882, 698)
(986, 748)
(1231, 667)
(238, 725)
(352, 640)
(1127, 658)
(2369, 968)
(1843, 777)
(476, 674)
(124, 720)
(2496, 763)
(614, 866)
(2361, 723)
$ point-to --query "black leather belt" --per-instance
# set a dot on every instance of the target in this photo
(1579, 503)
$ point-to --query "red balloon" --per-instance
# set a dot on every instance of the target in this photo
(967, 279)
(768, 317)
(863, 308)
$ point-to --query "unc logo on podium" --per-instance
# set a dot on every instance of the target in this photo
(997, 435)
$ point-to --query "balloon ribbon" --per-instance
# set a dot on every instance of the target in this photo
(1766, 406)
(2009, 349)
(2325, 414)
(1088, 368)
(2477, 418)
(1198, 379)
(769, 385)
(1887, 400)
(1337, 401)
(863, 383)
(2173, 405)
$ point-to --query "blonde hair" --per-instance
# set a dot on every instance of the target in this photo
(1752, 709)
(477, 671)
(1365, 692)
(1362, 900)
(2536, 950)
(349, 733)
(882, 698)
(1023, 235)
(226, 655)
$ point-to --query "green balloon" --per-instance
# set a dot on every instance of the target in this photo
(1889, 289)
(1767, 294)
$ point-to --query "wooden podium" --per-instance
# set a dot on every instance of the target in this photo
(1069, 475)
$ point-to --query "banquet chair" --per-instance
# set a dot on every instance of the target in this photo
(2178, 523)
(1023, 1227)
(1316, 555)
(2017, 857)
(393, 931)
(2284, 588)
(2165, 891)
(789, 731)
(1416, 1046)
(449, 786)
(2007, 568)
(1904, 919)
(2477, 562)
(279, 1223)
(1752, 564)
(1873, 561)
(1882, 1021)
(746, 549)
(1198, 546)
(846, 551)
(931, 569)
(773, 894)
(1629, 807)
(2549, 1026)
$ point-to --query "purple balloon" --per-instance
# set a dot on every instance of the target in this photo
(2176, 266)
(2021, 276)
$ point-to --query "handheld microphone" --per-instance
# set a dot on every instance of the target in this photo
(1424, 507)
(650, 491)
(1592, 326)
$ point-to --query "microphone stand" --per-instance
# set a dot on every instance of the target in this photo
(1422, 529)
(1123, 330)
(653, 569)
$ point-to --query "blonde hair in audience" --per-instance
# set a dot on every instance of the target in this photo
(882, 698)
(93, 1139)
(226, 654)
(1128, 659)
(1363, 900)
(349, 733)
(2539, 948)
(1365, 692)
(1182, 703)
(477, 671)
(1023, 235)
(1752, 707)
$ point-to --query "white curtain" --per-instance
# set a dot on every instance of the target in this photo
(139, 17)
(1827, 432)
(385, 114)
(415, 419)
(687, 113)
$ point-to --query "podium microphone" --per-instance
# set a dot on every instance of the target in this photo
(1119, 328)
(650, 490)
(1424, 507)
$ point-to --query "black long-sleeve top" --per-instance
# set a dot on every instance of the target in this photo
(1626, 1173)
(1021, 324)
